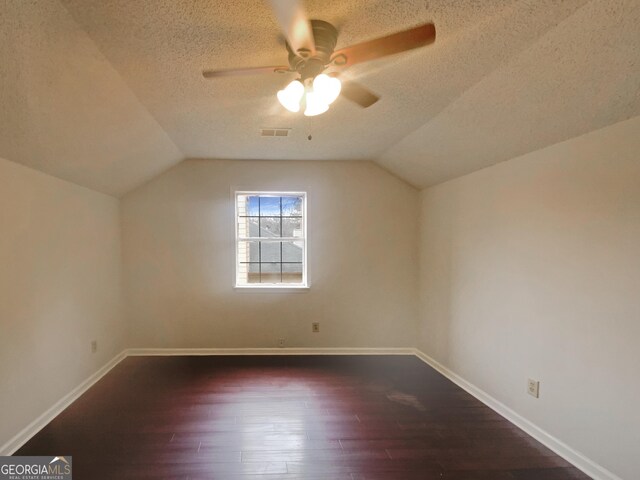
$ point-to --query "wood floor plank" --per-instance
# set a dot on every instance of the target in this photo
(289, 418)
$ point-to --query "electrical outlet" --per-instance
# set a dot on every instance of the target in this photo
(94, 346)
(281, 342)
(533, 388)
(315, 327)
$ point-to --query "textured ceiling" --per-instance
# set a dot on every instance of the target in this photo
(65, 110)
(504, 77)
(579, 76)
(161, 47)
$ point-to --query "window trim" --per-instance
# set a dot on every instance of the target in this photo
(264, 287)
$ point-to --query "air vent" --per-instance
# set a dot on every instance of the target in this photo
(275, 132)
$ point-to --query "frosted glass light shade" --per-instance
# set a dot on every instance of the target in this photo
(291, 95)
(315, 105)
(328, 88)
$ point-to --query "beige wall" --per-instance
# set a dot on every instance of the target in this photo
(60, 288)
(531, 269)
(178, 243)
(528, 269)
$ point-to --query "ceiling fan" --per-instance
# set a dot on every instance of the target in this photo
(311, 48)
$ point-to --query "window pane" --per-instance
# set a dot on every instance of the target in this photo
(270, 273)
(248, 227)
(292, 227)
(253, 272)
(291, 273)
(248, 251)
(291, 206)
(269, 206)
(252, 206)
(270, 227)
(292, 251)
(248, 273)
(268, 218)
(270, 251)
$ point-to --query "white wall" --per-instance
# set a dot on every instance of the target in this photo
(178, 243)
(531, 269)
(60, 280)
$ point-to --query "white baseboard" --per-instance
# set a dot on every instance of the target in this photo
(572, 456)
(268, 351)
(56, 409)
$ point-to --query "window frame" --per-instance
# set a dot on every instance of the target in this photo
(271, 286)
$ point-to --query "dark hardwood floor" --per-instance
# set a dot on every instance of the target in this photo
(289, 417)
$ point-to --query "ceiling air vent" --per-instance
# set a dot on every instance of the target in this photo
(275, 132)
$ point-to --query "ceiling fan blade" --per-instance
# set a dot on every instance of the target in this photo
(296, 26)
(384, 46)
(358, 94)
(234, 72)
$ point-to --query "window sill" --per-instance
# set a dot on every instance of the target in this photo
(272, 289)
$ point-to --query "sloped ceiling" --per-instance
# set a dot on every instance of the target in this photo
(66, 111)
(579, 76)
(108, 93)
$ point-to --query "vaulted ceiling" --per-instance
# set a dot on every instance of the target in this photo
(108, 93)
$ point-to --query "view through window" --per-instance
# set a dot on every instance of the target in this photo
(271, 243)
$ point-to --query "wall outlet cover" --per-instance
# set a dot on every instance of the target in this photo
(315, 327)
(533, 388)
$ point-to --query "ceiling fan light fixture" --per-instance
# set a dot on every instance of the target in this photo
(291, 96)
(327, 87)
(315, 104)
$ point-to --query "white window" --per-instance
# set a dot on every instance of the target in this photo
(271, 240)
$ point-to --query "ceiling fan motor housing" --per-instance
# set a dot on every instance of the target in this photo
(325, 36)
